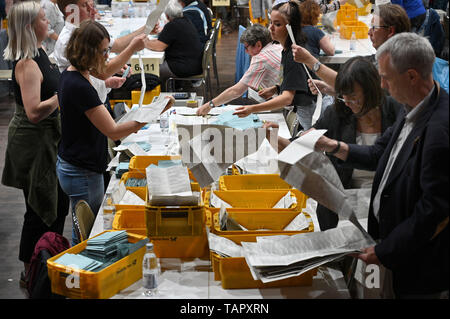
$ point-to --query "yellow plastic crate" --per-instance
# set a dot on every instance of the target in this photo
(148, 96)
(252, 182)
(347, 12)
(140, 194)
(275, 220)
(233, 272)
(257, 198)
(97, 285)
(140, 191)
(140, 162)
(131, 220)
(360, 28)
(177, 231)
(365, 10)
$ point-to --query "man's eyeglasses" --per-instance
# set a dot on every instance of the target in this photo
(373, 27)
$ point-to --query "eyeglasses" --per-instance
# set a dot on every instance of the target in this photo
(373, 27)
(106, 51)
(246, 46)
(354, 102)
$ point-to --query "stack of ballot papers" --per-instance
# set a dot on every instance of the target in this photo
(106, 245)
(170, 186)
(274, 259)
(79, 262)
(101, 252)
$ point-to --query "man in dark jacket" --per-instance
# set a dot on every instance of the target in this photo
(409, 207)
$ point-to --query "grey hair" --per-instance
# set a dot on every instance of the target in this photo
(409, 51)
(173, 10)
(256, 33)
(22, 41)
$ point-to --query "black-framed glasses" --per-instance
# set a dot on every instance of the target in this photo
(373, 27)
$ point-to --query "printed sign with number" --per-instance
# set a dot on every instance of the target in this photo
(221, 3)
(150, 66)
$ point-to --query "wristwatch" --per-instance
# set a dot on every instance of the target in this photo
(211, 104)
(316, 66)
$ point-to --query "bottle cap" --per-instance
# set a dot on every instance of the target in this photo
(149, 245)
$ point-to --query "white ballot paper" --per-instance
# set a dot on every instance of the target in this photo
(252, 94)
(170, 186)
(144, 83)
(300, 222)
(286, 201)
(154, 16)
(130, 198)
(274, 260)
(208, 150)
(315, 175)
(318, 108)
(300, 147)
(130, 149)
(224, 246)
(147, 113)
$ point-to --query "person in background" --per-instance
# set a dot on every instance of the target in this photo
(294, 86)
(263, 71)
(316, 38)
(387, 21)
(86, 123)
(56, 23)
(409, 207)
(360, 114)
(35, 129)
(75, 12)
(180, 41)
(325, 5)
(415, 10)
(432, 29)
(198, 13)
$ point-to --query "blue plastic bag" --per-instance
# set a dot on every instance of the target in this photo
(440, 73)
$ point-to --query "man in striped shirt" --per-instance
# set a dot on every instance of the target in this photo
(263, 72)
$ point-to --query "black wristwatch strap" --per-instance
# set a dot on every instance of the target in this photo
(211, 104)
(336, 149)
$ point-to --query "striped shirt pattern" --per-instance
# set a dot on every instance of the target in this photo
(264, 68)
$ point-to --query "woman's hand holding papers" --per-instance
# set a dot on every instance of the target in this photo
(138, 43)
(169, 104)
(114, 82)
(301, 55)
(321, 85)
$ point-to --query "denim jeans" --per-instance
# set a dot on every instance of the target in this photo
(80, 183)
(304, 115)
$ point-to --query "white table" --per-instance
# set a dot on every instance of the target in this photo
(193, 278)
(364, 47)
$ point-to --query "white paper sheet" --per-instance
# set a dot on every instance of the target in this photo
(300, 147)
(252, 94)
(147, 113)
(154, 16)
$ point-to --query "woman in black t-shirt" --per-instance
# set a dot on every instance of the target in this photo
(294, 88)
(181, 43)
(35, 129)
(86, 123)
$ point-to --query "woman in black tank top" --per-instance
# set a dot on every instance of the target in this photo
(35, 129)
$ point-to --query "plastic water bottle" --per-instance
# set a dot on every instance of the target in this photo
(130, 9)
(109, 211)
(353, 42)
(164, 122)
(150, 271)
